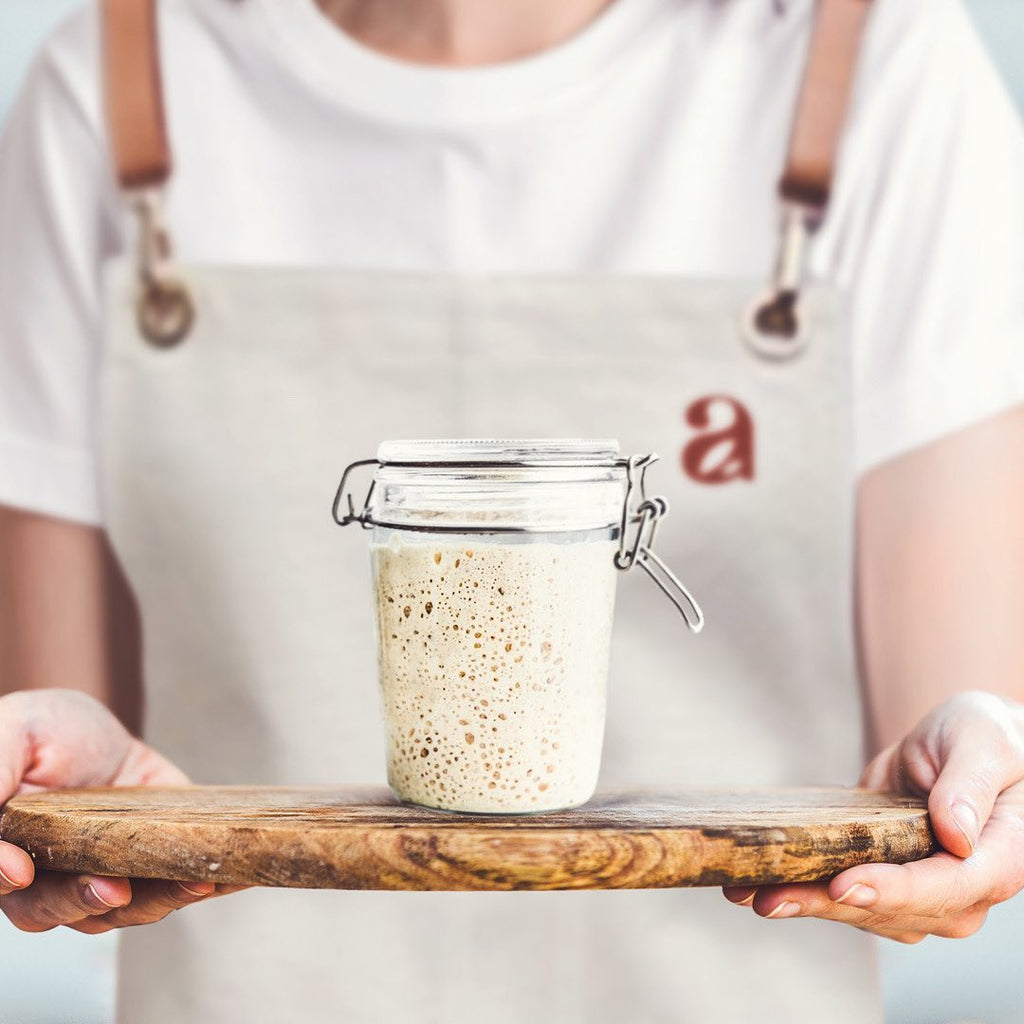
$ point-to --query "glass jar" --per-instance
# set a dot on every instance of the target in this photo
(495, 565)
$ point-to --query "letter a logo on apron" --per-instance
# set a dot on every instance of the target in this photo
(720, 453)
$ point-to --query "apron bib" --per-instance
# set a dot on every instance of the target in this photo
(221, 455)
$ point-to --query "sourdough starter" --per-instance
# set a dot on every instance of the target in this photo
(493, 670)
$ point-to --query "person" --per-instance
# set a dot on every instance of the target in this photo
(441, 218)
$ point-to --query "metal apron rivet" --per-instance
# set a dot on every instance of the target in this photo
(775, 327)
(165, 311)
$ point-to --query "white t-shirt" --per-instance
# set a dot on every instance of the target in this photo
(649, 143)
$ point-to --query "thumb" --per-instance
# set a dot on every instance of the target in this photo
(16, 867)
(15, 747)
(980, 758)
(52, 739)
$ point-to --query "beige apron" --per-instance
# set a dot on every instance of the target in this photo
(221, 454)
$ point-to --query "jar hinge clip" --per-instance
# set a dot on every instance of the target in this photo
(343, 497)
(637, 548)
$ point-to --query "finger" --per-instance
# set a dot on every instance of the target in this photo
(143, 766)
(807, 899)
(877, 773)
(741, 895)
(153, 900)
(981, 757)
(941, 885)
(56, 899)
(148, 910)
(800, 899)
(903, 925)
(16, 869)
(14, 746)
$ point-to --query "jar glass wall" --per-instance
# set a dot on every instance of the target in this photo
(495, 587)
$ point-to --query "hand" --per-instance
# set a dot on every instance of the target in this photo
(967, 757)
(62, 738)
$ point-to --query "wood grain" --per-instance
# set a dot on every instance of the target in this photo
(362, 838)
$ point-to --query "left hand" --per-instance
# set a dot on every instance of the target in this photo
(57, 738)
(967, 757)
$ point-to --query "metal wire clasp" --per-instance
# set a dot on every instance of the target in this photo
(165, 310)
(343, 497)
(636, 545)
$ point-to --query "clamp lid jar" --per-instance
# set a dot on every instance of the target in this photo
(494, 566)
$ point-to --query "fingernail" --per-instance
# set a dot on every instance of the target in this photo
(858, 895)
(195, 894)
(8, 882)
(967, 821)
(93, 897)
(744, 901)
(787, 909)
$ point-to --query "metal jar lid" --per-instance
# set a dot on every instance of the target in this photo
(458, 465)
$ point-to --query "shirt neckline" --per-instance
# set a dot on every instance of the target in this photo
(395, 90)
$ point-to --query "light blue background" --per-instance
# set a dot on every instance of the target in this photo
(64, 978)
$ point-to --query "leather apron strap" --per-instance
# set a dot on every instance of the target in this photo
(824, 100)
(775, 328)
(134, 94)
(141, 152)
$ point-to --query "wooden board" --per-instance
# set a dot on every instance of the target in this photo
(362, 838)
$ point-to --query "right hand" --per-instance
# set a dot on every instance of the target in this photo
(53, 739)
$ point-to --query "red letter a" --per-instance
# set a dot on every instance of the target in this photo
(725, 453)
